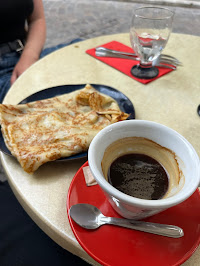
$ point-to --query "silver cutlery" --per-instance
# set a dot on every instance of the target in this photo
(161, 61)
(162, 56)
(158, 62)
(90, 217)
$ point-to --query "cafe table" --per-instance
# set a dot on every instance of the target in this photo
(171, 100)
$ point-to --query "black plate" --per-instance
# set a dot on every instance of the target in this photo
(124, 103)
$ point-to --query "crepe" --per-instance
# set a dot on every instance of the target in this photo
(47, 130)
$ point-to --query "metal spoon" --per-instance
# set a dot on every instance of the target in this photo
(90, 217)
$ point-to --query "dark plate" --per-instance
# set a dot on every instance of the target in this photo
(124, 103)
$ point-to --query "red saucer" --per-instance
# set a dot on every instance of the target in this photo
(117, 246)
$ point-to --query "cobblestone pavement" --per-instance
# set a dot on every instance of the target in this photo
(69, 19)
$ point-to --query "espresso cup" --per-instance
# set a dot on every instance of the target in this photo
(159, 142)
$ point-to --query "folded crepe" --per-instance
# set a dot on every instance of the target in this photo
(47, 130)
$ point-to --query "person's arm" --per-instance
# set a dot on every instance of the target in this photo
(35, 40)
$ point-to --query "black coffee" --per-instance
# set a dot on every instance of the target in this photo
(139, 175)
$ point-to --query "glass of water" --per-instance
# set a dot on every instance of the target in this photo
(149, 33)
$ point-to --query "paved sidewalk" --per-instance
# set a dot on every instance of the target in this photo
(180, 3)
(70, 19)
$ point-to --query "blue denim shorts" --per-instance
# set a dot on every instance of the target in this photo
(9, 60)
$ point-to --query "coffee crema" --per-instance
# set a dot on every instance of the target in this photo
(139, 175)
(166, 158)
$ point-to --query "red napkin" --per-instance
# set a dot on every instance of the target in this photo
(124, 65)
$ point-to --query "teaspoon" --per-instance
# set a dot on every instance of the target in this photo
(90, 217)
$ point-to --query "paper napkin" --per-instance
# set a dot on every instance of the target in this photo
(124, 65)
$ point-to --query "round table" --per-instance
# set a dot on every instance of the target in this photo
(171, 100)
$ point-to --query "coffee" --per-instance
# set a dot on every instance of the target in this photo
(139, 175)
(166, 159)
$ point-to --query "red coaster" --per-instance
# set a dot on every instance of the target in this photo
(124, 65)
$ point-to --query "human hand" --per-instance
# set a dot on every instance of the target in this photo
(25, 61)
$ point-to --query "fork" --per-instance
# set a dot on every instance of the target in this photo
(162, 56)
(166, 63)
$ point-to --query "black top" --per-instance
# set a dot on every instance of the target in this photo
(13, 14)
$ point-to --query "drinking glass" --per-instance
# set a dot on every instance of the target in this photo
(149, 33)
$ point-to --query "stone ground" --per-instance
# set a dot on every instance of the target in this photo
(69, 19)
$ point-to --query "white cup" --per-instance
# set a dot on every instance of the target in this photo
(187, 159)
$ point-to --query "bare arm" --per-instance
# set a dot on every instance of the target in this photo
(35, 40)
